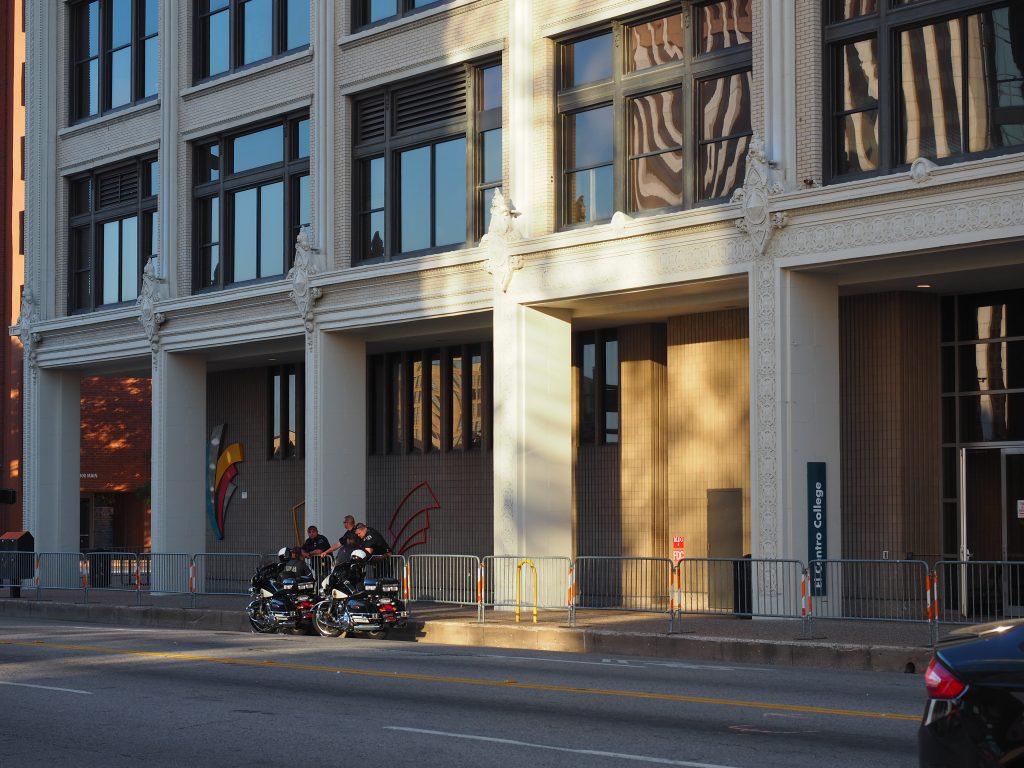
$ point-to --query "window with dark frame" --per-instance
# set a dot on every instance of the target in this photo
(427, 161)
(252, 195)
(285, 411)
(368, 13)
(233, 34)
(430, 400)
(114, 54)
(661, 126)
(113, 232)
(941, 80)
(596, 356)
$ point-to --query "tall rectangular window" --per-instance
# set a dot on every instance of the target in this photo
(912, 79)
(232, 34)
(624, 122)
(114, 54)
(443, 405)
(366, 13)
(428, 158)
(248, 210)
(113, 233)
(598, 389)
(285, 405)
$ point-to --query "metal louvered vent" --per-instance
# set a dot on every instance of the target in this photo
(118, 187)
(370, 119)
(430, 101)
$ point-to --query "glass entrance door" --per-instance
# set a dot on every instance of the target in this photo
(991, 532)
(1013, 530)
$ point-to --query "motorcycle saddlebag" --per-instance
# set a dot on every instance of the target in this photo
(386, 587)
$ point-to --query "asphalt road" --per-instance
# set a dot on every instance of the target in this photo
(74, 695)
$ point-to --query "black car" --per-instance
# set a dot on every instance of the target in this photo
(975, 712)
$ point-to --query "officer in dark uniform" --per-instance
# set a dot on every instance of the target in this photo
(372, 541)
(316, 544)
(348, 543)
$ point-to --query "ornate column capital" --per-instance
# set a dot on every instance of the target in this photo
(307, 264)
(154, 290)
(502, 264)
(755, 196)
(29, 317)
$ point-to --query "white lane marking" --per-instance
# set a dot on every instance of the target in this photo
(592, 752)
(46, 687)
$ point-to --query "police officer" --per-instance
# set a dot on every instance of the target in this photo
(316, 544)
(372, 541)
(348, 542)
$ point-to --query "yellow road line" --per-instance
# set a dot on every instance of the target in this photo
(508, 684)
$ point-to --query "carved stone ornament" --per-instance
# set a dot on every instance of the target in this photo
(23, 328)
(306, 266)
(921, 170)
(755, 196)
(502, 232)
(619, 222)
(153, 291)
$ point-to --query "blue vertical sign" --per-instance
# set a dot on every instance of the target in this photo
(817, 525)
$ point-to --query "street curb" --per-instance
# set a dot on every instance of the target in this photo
(793, 653)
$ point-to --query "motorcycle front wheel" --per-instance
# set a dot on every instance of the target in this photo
(323, 628)
(260, 621)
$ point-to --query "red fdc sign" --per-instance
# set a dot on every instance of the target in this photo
(678, 548)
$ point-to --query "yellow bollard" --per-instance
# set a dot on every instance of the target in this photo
(519, 588)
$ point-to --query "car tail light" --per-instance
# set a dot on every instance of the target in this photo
(941, 683)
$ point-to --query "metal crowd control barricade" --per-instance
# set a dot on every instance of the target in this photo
(388, 567)
(321, 567)
(641, 584)
(166, 573)
(17, 570)
(870, 590)
(112, 572)
(61, 570)
(979, 591)
(225, 573)
(445, 580)
(741, 586)
(554, 580)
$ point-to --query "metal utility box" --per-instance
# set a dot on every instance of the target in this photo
(16, 560)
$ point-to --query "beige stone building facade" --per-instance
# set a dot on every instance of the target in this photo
(739, 247)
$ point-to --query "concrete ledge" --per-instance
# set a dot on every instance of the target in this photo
(876, 658)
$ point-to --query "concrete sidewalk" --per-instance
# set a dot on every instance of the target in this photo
(861, 645)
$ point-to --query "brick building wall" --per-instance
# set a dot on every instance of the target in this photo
(259, 517)
(685, 416)
(889, 394)
(462, 482)
(708, 420)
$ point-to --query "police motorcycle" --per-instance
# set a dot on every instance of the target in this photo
(353, 605)
(283, 597)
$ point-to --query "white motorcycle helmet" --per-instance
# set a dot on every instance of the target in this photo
(358, 554)
(282, 554)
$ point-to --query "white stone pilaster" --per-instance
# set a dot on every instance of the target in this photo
(52, 467)
(778, 76)
(179, 453)
(170, 68)
(532, 430)
(41, 148)
(520, 142)
(323, 127)
(335, 430)
(810, 424)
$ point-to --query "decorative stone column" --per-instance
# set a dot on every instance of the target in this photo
(178, 477)
(335, 430)
(532, 409)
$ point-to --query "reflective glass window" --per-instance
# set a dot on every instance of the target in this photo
(725, 134)
(723, 24)
(588, 153)
(587, 61)
(656, 150)
(258, 149)
(656, 42)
